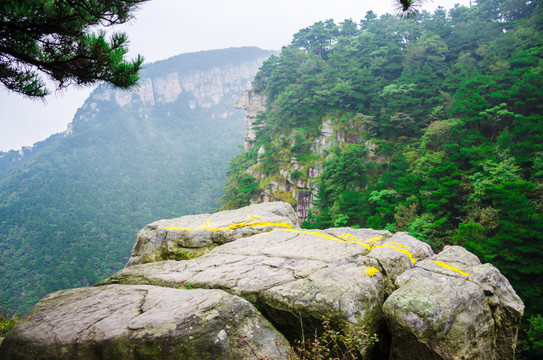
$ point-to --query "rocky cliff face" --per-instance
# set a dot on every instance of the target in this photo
(253, 103)
(296, 180)
(201, 89)
(434, 306)
(206, 87)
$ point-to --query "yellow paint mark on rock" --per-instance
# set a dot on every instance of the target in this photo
(315, 233)
(401, 245)
(352, 238)
(405, 251)
(371, 271)
(236, 225)
(447, 266)
(373, 240)
(346, 238)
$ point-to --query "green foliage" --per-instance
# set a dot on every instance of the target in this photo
(530, 339)
(56, 38)
(343, 174)
(7, 321)
(509, 233)
(452, 106)
(241, 186)
(535, 335)
(350, 342)
(295, 175)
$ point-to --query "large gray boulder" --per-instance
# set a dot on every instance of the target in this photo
(143, 322)
(288, 273)
(453, 307)
(192, 236)
(444, 306)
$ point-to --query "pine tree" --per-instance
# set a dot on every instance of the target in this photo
(57, 38)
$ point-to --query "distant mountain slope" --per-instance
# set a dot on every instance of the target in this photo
(71, 206)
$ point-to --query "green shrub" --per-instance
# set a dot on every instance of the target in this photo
(349, 343)
(7, 322)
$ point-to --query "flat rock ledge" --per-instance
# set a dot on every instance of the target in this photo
(253, 277)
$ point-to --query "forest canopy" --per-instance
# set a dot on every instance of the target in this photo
(450, 107)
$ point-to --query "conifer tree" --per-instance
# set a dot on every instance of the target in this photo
(59, 38)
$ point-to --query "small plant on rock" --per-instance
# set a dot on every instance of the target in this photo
(7, 322)
(327, 343)
(351, 342)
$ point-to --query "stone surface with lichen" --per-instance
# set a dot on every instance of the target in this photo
(435, 306)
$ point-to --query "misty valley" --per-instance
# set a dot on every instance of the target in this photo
(415, 139)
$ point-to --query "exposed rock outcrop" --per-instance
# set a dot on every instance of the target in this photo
(201, 87)
(195, 235)
(143, 322)
(301, 160)
(444, 306)
(206, 87)
(253, 103)
(472, 313)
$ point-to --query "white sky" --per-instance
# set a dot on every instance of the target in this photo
(165, 28)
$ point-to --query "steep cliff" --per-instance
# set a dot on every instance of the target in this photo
(196, 85)
(254, 104)
(204, 87)
(288, 167)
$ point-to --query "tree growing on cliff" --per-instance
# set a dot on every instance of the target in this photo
(59, 38)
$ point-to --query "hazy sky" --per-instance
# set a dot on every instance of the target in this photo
(165, 28)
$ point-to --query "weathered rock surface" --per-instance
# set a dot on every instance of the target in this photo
(287, 272)
(143, 322)
(296, 179)
(207, 87)
(465, 310)
(445, 306)
(192, 236)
